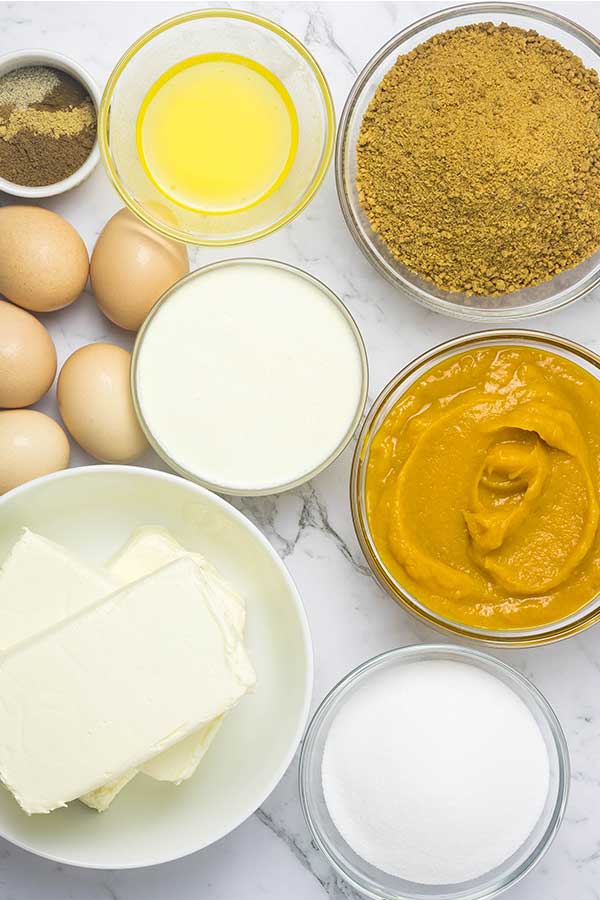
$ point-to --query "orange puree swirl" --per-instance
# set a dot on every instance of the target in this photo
(483, 488)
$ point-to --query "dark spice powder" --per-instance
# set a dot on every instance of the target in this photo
(47, 126)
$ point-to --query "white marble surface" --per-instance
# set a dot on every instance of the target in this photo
(351, 618)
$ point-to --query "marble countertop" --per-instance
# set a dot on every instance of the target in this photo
(351, 618)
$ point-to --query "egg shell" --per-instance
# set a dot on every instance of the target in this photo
(27, 358)
(44, 264)
(94, 398)
(31, 444)
(132, 266)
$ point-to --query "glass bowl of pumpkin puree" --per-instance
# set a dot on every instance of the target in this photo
(475, 487)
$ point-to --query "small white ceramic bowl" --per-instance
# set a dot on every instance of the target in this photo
(17, 59)
(92, 510)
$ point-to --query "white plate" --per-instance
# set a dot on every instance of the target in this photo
(93, 510)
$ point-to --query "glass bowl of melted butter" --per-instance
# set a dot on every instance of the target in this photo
(475, 487)
(216, 127)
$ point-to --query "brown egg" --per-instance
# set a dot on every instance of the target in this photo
(27, 357)
(44, 263)
(94, 398)
(132, 265)
(31, 444)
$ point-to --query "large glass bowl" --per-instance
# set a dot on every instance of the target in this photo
(543, 634)
(550, 295)
(372, 881)
(216, 31)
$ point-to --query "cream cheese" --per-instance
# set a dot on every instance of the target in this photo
(101, 798)
(69, 585)
(147, 550)
(42, 583)
(182, 759)
(176, 764)
(150, 548)
(101, 693)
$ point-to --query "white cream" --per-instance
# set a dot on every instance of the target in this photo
(104, 691)
(249, 376)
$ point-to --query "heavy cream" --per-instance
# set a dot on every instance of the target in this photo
(250, 376)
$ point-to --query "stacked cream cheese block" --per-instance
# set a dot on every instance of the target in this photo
(104, 675)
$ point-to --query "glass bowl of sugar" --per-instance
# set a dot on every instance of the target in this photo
(434, 772)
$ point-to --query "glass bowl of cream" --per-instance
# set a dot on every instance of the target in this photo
(249, 376)
(216, 127)
(562, 289)
(516, 500)
(434, 772)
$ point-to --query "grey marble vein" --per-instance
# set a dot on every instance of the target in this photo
(332, 884)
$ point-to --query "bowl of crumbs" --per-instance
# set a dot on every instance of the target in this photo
(468, 161)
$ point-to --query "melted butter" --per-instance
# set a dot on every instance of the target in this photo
(217, 133)
(482, 488)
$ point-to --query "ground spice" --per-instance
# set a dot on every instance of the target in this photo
(27, 85)
(47, 125)
(478, 161)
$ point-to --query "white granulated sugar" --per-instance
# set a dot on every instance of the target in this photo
(435, 771)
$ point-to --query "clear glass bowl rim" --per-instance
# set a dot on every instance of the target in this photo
(362, 400)
(104, 138)
(545, 634)
(417, 652)
(424, 297)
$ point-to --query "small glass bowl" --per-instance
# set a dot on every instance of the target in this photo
(196, 476)
(369, 880)
(212, 31)
(389, 396)
(550, 295)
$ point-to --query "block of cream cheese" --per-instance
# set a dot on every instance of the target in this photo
(176, 764)
(42, 583)
(101, 798)
(182, 759)
(147, 550)
(68, 585)
(100, 693)
(150, 548)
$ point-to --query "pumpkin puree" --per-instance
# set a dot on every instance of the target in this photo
(482, 488)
